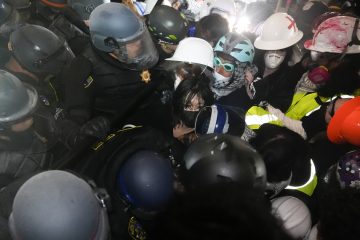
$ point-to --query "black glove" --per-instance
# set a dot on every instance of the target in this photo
(97, 127)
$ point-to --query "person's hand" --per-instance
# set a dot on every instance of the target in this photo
(180, 130)
(249, 77)
(97, 127)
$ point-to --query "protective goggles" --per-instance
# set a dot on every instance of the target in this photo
(227, 66)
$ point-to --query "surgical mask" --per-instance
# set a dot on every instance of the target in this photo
(177, 81)
(195, 6)
(273, 59)
(220, 81)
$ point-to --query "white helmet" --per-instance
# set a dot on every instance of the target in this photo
(279, 31)
(294, 214)
(194, 50)
(336, 35)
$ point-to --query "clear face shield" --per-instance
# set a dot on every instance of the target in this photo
(56, 62)
(139, 53)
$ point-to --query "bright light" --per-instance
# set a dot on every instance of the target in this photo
(242, 24)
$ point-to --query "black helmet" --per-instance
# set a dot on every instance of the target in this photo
(146, 181)
(19, 4)
(17, 100)
(39, 50)
(58, 205)
(85, 7)
(221, 157)
(115, 28)
(167, 24)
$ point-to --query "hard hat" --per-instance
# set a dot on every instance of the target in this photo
(338, 34)
(58, 205)
(220, 157)
(344, 126)
(321, 18)
(146, 181)
(237, 46)
(167, 24)
(194, 50)
(295, 216)
(39, 50)
(279, 31)
(348, 169)
(115, 28)
(85, 7)
(17, 100)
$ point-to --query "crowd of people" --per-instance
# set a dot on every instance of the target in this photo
(179, 119)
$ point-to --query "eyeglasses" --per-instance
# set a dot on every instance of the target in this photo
(227, 66)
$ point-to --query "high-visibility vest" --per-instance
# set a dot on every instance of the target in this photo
(302, 104)
(309, 187)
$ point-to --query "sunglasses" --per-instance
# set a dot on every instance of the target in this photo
(227, 66)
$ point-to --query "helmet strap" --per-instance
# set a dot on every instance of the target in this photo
(354, 39)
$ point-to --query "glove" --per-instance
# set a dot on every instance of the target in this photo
(97, 127)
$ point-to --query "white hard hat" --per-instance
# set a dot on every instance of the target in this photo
(334, 35)
(279, 31)
(294, 214)
(194, 50)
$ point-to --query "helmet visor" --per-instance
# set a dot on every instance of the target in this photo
(141, 52)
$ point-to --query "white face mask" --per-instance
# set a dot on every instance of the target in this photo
(177, 81)
(220, 81)
(273, 59)
(314, 55)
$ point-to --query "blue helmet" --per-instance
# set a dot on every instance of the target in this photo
(212, 119)
(145, 181)
(237, 46)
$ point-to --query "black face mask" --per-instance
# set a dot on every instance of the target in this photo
(189, 118)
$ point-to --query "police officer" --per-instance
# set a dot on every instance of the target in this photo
(136, 166)
(42, 59)
(121, 52)
(63, 206)
(30, 138)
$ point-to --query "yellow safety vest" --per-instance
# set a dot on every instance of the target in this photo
(309, 187)
(302, 104)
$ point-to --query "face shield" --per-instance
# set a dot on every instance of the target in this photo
(140, 53)
(57, 61)
(13, 22)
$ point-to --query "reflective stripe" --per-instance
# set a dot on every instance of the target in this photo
(309, 187)
(213, 120)
(254, 119)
